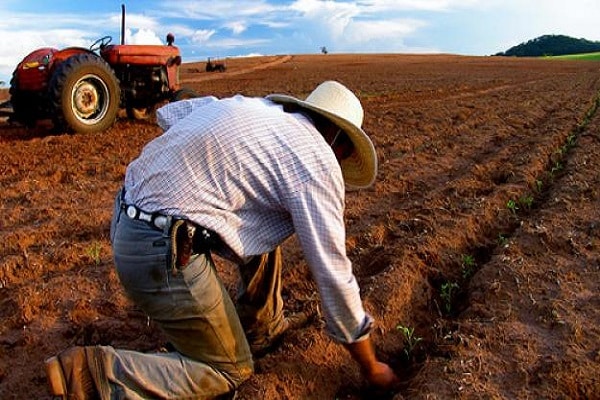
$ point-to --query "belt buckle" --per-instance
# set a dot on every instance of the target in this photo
(160, 221)
(131, 211)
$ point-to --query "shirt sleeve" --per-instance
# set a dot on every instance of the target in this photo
(171, 113)
(318, 217)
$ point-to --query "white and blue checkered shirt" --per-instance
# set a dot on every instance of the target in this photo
(255, 175)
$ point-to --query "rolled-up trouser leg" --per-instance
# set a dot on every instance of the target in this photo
(259, 303)
(193, 309)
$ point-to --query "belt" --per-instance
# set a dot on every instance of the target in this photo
(187, 238)
(156, 220)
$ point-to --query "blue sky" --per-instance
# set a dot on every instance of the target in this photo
(211, 28)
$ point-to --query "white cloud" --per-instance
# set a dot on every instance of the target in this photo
(236, 27)
(217, 10)
(416, 5)
(349, 25)
(275, 24)
(360, 26)
(320, 9)
(142, 36)
(367, 31)
(181, 31)
(233, 43)
(202, 36)
(576, 18)
(135, 21)
(323, 19)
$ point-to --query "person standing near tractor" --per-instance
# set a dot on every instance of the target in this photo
(235, 177)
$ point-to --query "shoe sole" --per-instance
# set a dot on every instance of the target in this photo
(292, 322)
(56, 378)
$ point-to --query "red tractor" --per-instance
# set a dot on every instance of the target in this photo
(82, 89)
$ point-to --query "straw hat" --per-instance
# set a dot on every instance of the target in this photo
(338, 104)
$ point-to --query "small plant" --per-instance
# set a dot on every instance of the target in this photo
(410, 340)
(567, 146)
(93, 251)
(447, 294)
(512, 206)
(468, 265)
(571, 140)
(556, 168)
(538, 185)
(502, 240)
(526, 201)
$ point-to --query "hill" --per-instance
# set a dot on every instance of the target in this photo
(552, 45)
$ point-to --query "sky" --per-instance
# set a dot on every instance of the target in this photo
(211, 28)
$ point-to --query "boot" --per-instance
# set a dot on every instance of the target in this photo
(261, 345)
(69, 375)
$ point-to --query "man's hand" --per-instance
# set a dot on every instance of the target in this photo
(382, 376)
(377, 373)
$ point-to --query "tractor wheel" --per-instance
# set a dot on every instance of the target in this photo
(85, 94)
(183, 94)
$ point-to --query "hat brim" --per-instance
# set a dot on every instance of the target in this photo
(360, 168)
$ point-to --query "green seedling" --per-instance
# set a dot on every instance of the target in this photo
(512, 206)
(568, 145)
(526, 201)
(447, 294)
(502, 240)
(468, 265)
(93, 251)
(410, 340)
(539, 184)
(556, 168)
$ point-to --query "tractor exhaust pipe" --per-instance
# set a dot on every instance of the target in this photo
(122, 23)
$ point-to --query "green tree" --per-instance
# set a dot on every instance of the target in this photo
(552, 45)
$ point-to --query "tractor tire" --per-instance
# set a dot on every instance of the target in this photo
(85, 94)
(182, 94)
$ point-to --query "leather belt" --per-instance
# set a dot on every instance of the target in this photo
(156, 220)
(187, 238)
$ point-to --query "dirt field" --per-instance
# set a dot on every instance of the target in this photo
(481, 235)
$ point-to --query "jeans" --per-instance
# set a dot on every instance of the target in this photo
(195, 312)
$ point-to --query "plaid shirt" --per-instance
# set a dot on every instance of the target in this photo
(255, 175)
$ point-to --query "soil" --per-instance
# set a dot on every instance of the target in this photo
(477, 250)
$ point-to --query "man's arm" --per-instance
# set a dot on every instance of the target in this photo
(318, 215)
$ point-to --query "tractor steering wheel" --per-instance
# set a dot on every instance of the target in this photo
(101, 43)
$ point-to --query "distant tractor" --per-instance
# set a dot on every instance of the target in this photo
(215, 65)
(83, 89)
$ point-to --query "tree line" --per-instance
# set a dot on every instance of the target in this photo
(552, 45)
